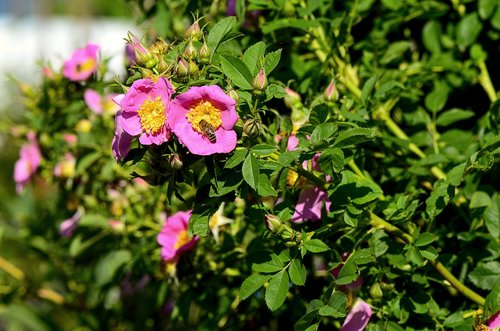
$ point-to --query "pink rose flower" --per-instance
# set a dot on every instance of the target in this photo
(203, 119)
(30, 158)
(145, 111)
(358, 317)
(82, 64)
(69, 226)
(494, 321)
(98, 103)
(121, 140)
(174, 237)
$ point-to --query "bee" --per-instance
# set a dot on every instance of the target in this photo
(207, 130)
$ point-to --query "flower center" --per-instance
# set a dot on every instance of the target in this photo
(182, 240)
(88, 65)
(206, 112)
(152, 114)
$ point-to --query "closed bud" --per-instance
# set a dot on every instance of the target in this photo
(273, 223)
(193, 67)
(233, 94)
(182, 68)
(190, 51)
(376, 292)
(331, 93)
(260, 81)
(193, 32)
(292, 99)
(142, 54)
(175, 161)
(252, 127)
(151, 63)
(204, 53)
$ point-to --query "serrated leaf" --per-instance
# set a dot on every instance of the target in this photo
(331, 161)
(316, 246)
(236, 71)
(485, 275)
(440, 196)
(252, 57)
(219, 31)
(425, 239)
(491, 217)
(198, 222)
(271, 61)
(453, 115)
(251, 171)
(368, 88)
(456, 174)
(108, 265)
(251, 284)
(330, 311)
(235, 159)
(263, 149)
(277, 290)
(265, 188)
(322, 132)
(297, 272)
(355, 136)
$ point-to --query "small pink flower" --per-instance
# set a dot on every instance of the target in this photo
(145, 111)
(82, 64)
(69, 226)
(203, 119)
(98, 103)
(174, 237)
(358, 317)
(30, 158)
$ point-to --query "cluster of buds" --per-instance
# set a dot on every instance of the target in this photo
(278, 228)
(195, 52)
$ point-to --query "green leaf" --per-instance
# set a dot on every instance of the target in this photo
(108, 266)
(440, 196)
(455, 175)
(251, 284)
(287, 23)
(330, 311)
(265, 187)
(425, 239)
(468, 29)
(251, 171)
(368, 88)
(94, 220)
(316, 246)
(355, 136)
(198, 222)
(219, 31)
(479, 199)
(267, 267)
(486, 8)
(271, 61)
(331, 161)
(362, 256)
(236, 70)
(485, 275)
(297, 272)
(436, 100)
(288, 158)
(263, 149)
(24, 317)
(277, 290)
(87, 161)
(491, 217)
(495, 20)
(322, 132)
(235, 159)
(348, 273)
(453, 115)
(252, 57)
(431, 35)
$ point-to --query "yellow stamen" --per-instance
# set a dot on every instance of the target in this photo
(182, 240)
(291, 177)
(204, 111)
(89, 64)
(152, 114)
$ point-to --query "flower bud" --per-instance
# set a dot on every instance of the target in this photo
(292, 98)
(376, 292)
(190, 51)
(252, 127)
(83, 126)
(182, 68)
(233, 94)
(151, 63)
(260, 81)
(193, 32)
(273, 223)
(331, 93)
(205, 53)
(142, 55)
(175, 161)
(193, 67)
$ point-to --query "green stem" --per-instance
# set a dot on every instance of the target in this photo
(485, 81)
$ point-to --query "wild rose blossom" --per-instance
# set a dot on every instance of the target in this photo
(99, 103)
(82, 64)
(494, 321)
(311, 198)
(145, 111)
(30, 158)
(203, 119)
(358, 317)
(174, 237)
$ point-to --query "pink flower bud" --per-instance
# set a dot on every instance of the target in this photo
(260, 81)
(292, 98)
(182, 68)
(331, 93)
(193, 32)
